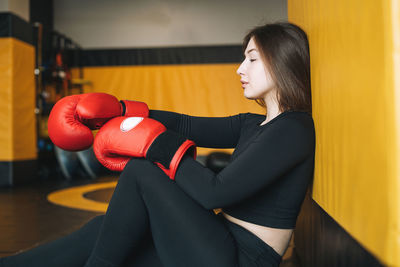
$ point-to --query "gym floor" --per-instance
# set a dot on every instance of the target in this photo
(28, 218)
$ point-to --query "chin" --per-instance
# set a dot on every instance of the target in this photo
(251, 97)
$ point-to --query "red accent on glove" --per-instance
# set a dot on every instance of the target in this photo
(135, 109)
(173, 167)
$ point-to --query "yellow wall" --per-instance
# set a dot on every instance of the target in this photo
(196, 89)
(17, 100)
(355, 50)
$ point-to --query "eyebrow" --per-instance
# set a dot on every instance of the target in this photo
(253, 49)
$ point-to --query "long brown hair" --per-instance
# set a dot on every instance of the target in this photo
(285, 51)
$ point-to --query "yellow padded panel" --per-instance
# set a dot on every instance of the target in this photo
(355, 50)
(6, 73)
(196, 89)
(24, 124)
(17, 100)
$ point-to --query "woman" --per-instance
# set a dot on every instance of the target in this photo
(155, 221)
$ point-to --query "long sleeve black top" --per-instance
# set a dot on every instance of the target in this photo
(269, 171)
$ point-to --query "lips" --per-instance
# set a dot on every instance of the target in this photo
(244, 83)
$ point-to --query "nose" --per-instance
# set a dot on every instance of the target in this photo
(240, 70)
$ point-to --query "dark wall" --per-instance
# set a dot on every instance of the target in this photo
(42, 11)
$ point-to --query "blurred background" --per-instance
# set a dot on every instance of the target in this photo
(182, 56)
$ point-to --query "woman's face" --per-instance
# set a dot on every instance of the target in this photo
(255, 78)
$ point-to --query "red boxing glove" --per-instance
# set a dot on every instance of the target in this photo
(73, 117)
(123, 138)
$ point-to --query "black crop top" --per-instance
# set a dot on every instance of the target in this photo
(269, 171)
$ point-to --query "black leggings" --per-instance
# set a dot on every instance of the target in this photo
(151, 222)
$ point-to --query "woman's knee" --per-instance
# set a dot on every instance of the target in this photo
(132, 165)
(143, 172)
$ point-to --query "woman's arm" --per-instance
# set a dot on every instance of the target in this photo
(213, 132)
(274, 152)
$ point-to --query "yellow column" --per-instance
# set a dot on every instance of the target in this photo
(355, 69)
(17, 101)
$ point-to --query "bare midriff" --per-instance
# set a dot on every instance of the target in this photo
(276, 238)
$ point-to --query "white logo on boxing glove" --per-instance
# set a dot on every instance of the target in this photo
(130, 123)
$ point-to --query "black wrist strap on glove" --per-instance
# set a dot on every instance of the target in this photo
(164, 147)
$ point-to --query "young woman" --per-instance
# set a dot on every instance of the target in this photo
(163, 216)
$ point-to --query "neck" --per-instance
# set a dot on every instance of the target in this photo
(271, 113)
(272, 108)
